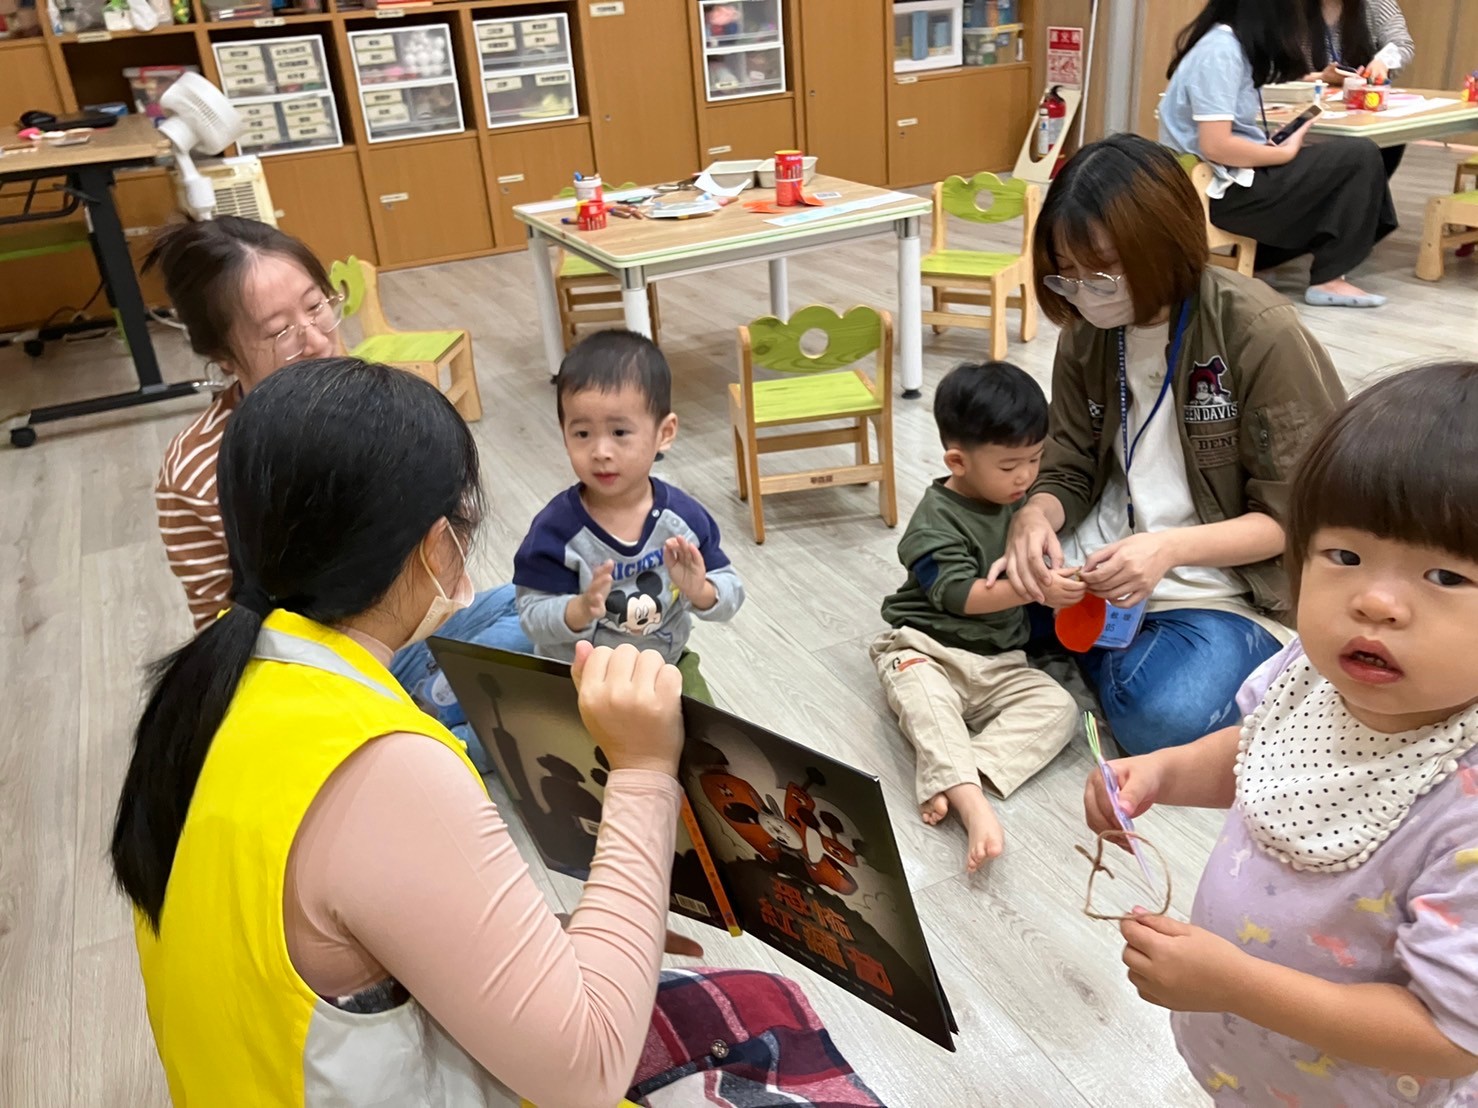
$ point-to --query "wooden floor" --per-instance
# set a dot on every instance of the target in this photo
(1045, 1014)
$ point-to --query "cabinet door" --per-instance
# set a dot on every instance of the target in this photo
(753, 130)
(639, 64)
(320, 199)
(846, 68)
(524, 167)
(36, 288)
(960, 123)
(28, 82)
(428, 202)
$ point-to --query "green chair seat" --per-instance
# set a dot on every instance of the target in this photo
(814, 396)
(53, 238)
(966, 263)
(574, 266)
(412, 346)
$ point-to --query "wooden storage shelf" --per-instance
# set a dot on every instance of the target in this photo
(266, 23)
(88, 38)
(956, 72)
(641, 90)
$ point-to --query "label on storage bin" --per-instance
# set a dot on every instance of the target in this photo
(552, 79)
(504, 84)
(304, 104)
(271, 21)
(541, 26)
(494, 30)
(497, 46)
(239, 53)
(616, 8)
(374, 42)
(541, 40)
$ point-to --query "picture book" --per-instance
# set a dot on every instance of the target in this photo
(776, 839)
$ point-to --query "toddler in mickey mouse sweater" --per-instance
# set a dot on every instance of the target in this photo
(621, 556)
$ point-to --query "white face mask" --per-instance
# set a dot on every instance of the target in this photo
(1105, 312)
(443, 607)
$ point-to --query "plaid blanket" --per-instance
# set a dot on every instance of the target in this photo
(741, 1039)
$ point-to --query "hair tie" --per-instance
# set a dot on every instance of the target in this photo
(254, 599)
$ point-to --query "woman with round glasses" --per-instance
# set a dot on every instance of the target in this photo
(1182, 394)
(252, 300)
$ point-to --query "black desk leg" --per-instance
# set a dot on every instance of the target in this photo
(115, 265)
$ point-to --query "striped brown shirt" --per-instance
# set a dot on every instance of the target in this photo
(190, 515)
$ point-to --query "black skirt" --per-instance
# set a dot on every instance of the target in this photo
(1332, 201)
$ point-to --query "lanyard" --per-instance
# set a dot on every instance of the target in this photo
(1170, 362)
(1332, 46)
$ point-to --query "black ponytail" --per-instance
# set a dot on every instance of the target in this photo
(330, 474)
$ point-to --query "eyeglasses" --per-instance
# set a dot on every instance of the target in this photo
(324, 317)
(1100, 284)
(1134, 888)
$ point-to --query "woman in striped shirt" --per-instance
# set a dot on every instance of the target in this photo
(1369, 36)
(253, 300)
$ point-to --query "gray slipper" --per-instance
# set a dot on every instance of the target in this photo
(1321, 299)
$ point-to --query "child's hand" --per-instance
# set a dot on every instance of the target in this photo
(1180, 967)
(689, 573)
(1064, 588)
(630, 701)
(1139, 784)
(590, 605)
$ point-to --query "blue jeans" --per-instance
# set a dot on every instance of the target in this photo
(1177, 680)
(490, 620)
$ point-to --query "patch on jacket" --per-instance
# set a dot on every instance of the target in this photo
(1095, 418)
(1209, 400)
(1211, 416)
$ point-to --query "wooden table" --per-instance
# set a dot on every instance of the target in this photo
(88, 170)
(1384, 129)
(638, 251)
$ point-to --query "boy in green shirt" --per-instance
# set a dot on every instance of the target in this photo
(953, 663)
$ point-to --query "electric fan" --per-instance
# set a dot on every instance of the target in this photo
(198, 117)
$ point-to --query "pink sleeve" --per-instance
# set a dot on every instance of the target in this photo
(1250, 695)
(412, 864)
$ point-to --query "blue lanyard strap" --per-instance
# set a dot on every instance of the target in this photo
(1172, 357)
(1330, 43)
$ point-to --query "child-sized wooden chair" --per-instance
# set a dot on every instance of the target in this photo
(425, 353)
(1241, 251)
(587, 294)
(1466, 177)
(981, 278)
(1452, 221)
(818, 388)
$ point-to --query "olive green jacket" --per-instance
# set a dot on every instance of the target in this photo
(1252, 387)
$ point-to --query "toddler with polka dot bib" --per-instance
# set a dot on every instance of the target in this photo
(1332, 953)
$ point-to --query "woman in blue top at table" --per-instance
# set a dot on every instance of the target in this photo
(1329, 198)
(1367, 36)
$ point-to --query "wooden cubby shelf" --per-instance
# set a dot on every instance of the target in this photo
(645, 111)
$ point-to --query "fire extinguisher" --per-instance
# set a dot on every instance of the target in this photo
(1051, 115)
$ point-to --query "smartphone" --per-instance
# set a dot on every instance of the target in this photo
(1292, 127)
(1348, 71)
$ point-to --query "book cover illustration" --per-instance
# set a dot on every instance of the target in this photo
(525, 712)
(806, 852)
(794, 847)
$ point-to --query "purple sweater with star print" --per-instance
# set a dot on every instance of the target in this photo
(1407, 916)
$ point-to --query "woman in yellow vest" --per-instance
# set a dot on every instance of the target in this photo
(328, 908)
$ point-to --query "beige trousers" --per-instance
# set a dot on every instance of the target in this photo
(972, 715)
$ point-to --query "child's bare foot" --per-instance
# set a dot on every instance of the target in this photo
(934, 809)
(982, 829)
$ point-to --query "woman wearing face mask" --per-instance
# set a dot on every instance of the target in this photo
(253, 300)
(1181, 396)
(328, 907)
